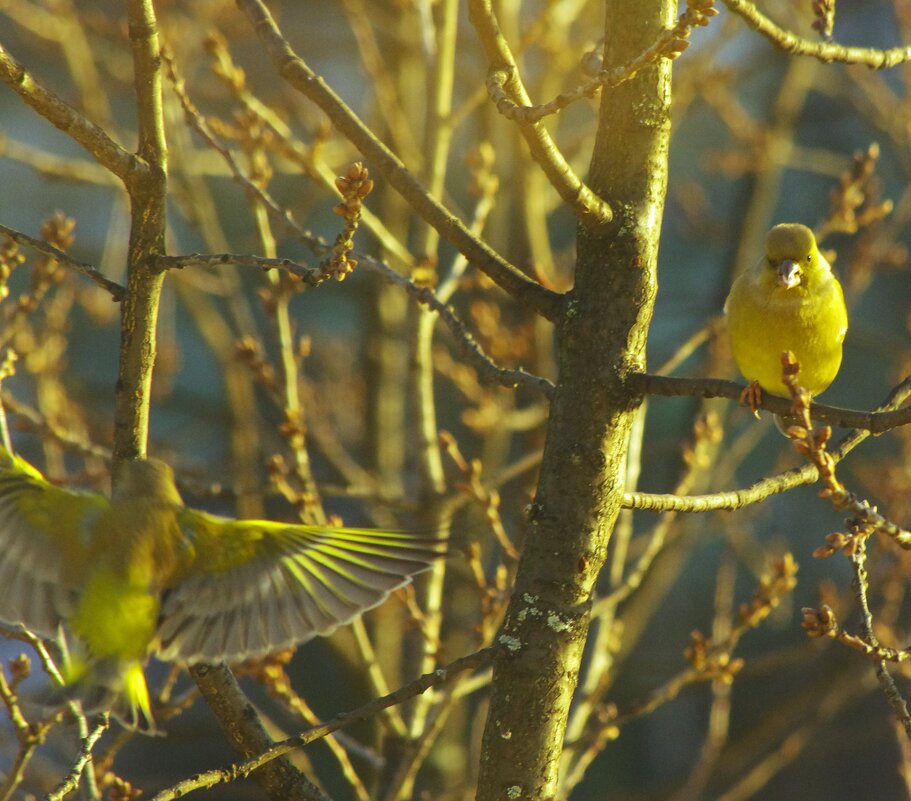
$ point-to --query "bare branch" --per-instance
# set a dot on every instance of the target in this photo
(312, 276)
(62, 115)
(876, 422)
(85, 754)
(505, 85)
(486, 367)
(825, 51)
(297, 73)
(669, 44)
(439, 676)
(115, 290)
(736, 499)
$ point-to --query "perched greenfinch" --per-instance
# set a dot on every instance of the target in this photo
(142, 574)
(789, 301)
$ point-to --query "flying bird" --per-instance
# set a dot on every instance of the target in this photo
(141, 574)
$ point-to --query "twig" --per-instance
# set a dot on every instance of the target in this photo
(505, 84)
(707, 435)
(255, 191)
(669, 44)
(85, 754)
(7, 369)
(876, 422)
(35, 421)
(469, 348)
(472, 486)
(24, 635)
(28, 735)
(271, 672)
(823, 623)
(297, 73)
(115, 290)
(244, 729)
(487, 369)
(824, 51)
(241, 770)
(62, 115)
(736, 499)
(886, 682)
(307, 157)
(62, 168)
(709, 661)
(309, 275)
(392, 717)
(811, 443)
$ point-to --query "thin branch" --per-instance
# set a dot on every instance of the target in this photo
(376, 677)
(33, 420)
(254, 191)
(811, 442)
(307, 157)
(468, 346)
(487, 369)
(703, 451)
(299, 75)
(710, 660)
(62, 115)
(505, 84)
(147, 79)
(669, 44)
(735, 499)
(312, 276)
(886, 682)
(85, 754)
(29, 735)
(824, 51)
(876, 422)
(244, 730)
(272, 673)
(115, 290)
(822, 622)
(389, 101)
(24, 635)
(439, 676)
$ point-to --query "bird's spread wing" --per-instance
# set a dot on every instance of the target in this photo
(256, 586)
(44, 538)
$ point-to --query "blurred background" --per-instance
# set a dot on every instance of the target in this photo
(758, 138)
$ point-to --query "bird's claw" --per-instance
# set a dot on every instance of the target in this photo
(752, 397)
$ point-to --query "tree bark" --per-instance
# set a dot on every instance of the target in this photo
(602, 334)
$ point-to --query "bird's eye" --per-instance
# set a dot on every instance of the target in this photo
(809, 256)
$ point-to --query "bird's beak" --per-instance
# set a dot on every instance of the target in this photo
(788, 275)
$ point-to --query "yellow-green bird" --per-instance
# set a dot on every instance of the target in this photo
(141, 574)
(789, 301)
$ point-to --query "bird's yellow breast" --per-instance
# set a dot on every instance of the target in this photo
(764, 320)
(136, 547)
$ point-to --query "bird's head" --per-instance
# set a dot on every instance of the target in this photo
(147, 479)
(792, 254)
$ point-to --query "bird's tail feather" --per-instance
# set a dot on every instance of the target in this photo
(108, 685)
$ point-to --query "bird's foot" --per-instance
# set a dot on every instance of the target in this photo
(752, 397)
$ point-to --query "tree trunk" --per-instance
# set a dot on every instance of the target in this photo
(602, 334)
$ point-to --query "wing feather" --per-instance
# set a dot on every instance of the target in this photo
(257, 586)
(44, 537)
